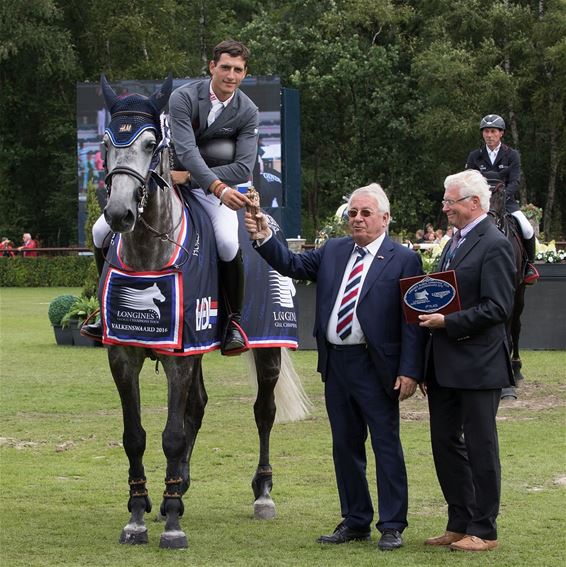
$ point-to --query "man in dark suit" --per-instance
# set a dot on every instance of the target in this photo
(368, 356)
(468, 364)
(214, 129)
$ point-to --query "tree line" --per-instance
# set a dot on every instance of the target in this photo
(391, 91)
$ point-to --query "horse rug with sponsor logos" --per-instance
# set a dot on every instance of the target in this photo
(179, 310)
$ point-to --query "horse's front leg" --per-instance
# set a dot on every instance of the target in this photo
(125, 365)
(180, 371)
(268, 365)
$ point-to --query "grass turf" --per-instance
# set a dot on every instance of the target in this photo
(63, 472)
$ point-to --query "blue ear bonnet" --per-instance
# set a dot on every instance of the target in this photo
(130, 116)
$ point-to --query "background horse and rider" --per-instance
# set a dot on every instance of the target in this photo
(508, 225)
(155, 236)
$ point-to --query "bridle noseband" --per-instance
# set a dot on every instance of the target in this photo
(143, 191)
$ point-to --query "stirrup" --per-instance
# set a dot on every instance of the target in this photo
(235, 340)
(92, 330)
(531, 275)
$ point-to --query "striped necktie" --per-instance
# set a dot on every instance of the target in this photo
(350, 297)
(452, 250)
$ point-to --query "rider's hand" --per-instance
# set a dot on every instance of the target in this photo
(256, 225)
(180, 177)
(234, 199)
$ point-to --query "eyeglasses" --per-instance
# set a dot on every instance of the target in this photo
(450, 202)
(353, 213)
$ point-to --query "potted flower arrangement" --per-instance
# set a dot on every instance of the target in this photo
(58, 308)
(82, 309)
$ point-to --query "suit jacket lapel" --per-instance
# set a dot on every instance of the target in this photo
(469, 242)
(382, 258)
(227, 114)
(204, 104)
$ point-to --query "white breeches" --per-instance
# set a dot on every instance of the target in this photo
(224, 222)
(526, 227)
(101, 232)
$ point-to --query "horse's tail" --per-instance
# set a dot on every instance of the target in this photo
(291, 400)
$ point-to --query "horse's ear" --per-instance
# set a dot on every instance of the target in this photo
(161, 97)
(110, 97)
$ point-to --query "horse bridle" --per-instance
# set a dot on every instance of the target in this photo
(143, 196)
(143, 191)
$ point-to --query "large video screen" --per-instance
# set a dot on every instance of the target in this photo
(92, 119)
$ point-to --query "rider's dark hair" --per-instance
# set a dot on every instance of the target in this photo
(233, 48)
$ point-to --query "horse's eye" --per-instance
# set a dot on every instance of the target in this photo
(151, 145)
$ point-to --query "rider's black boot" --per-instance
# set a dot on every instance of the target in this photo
(531, 273)
(234, 340)
(94, 330)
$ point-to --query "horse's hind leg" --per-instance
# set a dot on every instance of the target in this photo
(268, 365)
(180, 371)
(126, 364)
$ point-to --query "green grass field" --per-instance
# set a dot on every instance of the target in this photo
(63, 472)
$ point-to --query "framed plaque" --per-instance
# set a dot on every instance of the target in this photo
(430, 293)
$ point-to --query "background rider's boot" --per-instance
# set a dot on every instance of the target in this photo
(234, 340)
(94, 330)
(531, 273)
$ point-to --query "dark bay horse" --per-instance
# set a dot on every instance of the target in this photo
(147, 212)
(508, 225)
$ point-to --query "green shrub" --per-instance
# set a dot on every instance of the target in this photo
(81, 310)
(47, 271)
(59, 307)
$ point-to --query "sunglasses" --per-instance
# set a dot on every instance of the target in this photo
(352, 213)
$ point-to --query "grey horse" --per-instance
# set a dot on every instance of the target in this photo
(149, 224)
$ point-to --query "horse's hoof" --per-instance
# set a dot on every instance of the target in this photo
(264, 508)
(173, 540)
(508, 394)
(134, 535)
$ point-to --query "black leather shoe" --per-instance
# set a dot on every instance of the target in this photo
(234, 341)
(343, 534)
(390, 539)
(93, 330)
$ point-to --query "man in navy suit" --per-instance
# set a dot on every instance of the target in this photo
(369, 358)
(468, 364)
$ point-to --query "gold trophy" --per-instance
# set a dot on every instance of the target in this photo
(253, 209)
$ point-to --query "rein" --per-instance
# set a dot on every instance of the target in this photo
(143, 197)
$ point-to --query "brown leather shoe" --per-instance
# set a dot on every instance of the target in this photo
(473, 543)
(446, 539)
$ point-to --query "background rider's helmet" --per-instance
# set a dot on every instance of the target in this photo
(492, 121)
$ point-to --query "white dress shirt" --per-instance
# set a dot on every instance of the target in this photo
(493, 153)
(357, 336)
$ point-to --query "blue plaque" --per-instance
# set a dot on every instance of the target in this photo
(432, 293)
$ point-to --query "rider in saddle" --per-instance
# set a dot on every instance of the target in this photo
(498, 162)
(214, 132)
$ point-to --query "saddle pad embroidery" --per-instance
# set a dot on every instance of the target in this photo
(143, 309)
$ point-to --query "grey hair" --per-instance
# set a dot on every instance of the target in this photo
(373, 190)
(471, 183)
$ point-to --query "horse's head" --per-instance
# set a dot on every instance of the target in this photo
(497, 200)
(130, 140)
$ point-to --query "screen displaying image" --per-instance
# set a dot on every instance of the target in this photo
(92, 118)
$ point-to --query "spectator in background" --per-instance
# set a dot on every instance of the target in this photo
(28, 243)
(438, 233)
(419, 236)
(6, 246)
